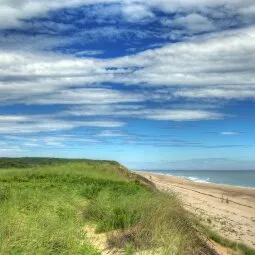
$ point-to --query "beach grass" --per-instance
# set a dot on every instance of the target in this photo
(225, 242)
(44, 208)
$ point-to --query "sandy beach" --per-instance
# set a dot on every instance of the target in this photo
(229, 210)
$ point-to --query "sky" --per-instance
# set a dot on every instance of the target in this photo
(153, 84)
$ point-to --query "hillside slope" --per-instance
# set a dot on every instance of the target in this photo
(45, 210)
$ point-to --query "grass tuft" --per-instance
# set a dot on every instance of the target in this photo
(236, 246)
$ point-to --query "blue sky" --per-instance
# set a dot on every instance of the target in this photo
(153, 84)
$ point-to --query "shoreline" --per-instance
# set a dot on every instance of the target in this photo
(196, 181)
(230, 210)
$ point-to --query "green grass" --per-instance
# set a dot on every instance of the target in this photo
(145, 220)
(39, 207)
(43, 209)
(244, 249)
(37, 161)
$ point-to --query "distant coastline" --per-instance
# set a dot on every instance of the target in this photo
(236, 178)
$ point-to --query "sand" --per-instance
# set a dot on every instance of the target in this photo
(229, 210)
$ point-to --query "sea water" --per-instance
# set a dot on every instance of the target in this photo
(242, 178)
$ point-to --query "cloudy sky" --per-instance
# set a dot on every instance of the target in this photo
(153, 84)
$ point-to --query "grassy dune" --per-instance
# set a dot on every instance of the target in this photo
(44, 208)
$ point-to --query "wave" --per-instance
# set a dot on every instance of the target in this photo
(230, 178)
(196, 179)
(192, 178)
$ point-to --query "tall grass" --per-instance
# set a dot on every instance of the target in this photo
(43, 211)
(240, 248)
(39, 208)
(145, 221)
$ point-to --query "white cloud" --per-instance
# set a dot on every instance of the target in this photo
(10, 150)
(137, 12)
(42, 123)
(32, 42)
(145, 113)
(89, 96)
(12, 12)
(230, 133)
(111, 133)
(89, 52)
(54, 144)
(102, 124)
(248, 10)
(42, 140)
(8, 16)
(12, 118)
(218, 66)
(224, 60)
(183, 115)
(221, 93)
(194, 23)
(27, 144)
(113, 110)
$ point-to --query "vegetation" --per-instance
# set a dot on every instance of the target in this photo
(34, 162)
(235, 246)
(43, 210)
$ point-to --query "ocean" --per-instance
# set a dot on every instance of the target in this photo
(244, 178)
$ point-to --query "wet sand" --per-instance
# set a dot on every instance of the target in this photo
(228, 209)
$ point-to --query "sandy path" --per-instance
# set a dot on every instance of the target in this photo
(235, 219)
